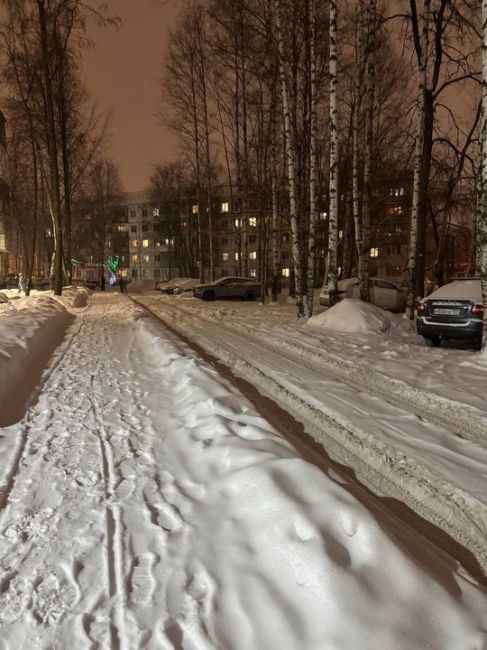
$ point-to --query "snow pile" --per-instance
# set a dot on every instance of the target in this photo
(74, 298)
(352, 316)
(29, 332)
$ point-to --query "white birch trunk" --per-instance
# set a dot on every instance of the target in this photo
(308, 308)
(369, 145)
(482, 214)
(331, 276)
(418, 155)
(291, 167)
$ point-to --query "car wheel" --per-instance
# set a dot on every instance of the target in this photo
(432, 341)
(208, 295)
(250, 295)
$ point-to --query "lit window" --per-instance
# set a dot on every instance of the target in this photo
(145, 243)
(134, 243)
(253, 273)
(340, 234)
(122, 258)
(225, 257)
(374, 252)
(122, 228)
(253, 255)
(145, 258)
(224, 207)
(285, 273)
(236, 256)
(155, 212)
(323, 215)
(194, 209)
(238, 223)
(135, 258)
(253, 221)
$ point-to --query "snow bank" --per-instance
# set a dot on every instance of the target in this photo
(352, 316)
(30, 330)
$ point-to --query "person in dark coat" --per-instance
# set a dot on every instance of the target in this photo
(122, 284)
(102, 282)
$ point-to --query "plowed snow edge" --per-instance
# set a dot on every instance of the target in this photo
(381, 468)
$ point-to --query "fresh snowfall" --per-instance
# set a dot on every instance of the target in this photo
(178, 474)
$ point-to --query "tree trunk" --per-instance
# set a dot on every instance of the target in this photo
(331, 276)
(54, 189)
(291, 168)
(312, 164)
(418, 167)
(482, 214)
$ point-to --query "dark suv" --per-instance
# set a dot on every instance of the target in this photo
(454, 311)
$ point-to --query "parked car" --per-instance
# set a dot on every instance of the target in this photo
(11, 281)
(228, 287)
(40, 284)
(383, 293)
(92, 283)
(454, 311)
(177, 286)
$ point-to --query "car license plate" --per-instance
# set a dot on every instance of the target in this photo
(447, 312)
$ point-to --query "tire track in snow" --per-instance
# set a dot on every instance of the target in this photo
(379, 466)
(461, 419)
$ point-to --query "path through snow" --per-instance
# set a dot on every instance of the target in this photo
(154, 507)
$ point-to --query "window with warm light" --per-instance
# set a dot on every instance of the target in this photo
(238, 223)
(374, 252)
(194, 209)
(253, 273)
(253, 255)
(135, 258)
(155, 212)
(145, 258)
(253, 221)
(134, 243)
(236, 256)
(224, 207)
(145, 243)
(285, 273)
(225, 257)
(122, 228)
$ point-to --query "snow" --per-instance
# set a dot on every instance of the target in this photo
(146, 502)
(458, 290)
(353, 316)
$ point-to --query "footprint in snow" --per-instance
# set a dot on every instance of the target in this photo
(142, 579)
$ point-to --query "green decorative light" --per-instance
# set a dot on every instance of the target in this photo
(75, 262)
(113, 263)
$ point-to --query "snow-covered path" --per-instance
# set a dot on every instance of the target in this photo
(154, 507)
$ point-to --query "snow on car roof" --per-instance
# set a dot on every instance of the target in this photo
(460, 290)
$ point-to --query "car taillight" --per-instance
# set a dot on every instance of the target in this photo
(421, 309)
(478, 310)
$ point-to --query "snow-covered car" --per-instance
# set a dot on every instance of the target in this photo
(177, 286)
(229, 287)
(454, 311)
(383, 293)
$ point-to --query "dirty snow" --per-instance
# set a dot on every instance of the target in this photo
(147, 503)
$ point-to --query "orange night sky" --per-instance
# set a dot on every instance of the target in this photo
(122, 73)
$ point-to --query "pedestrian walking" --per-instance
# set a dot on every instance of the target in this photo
(22, 283)
(122, 284)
